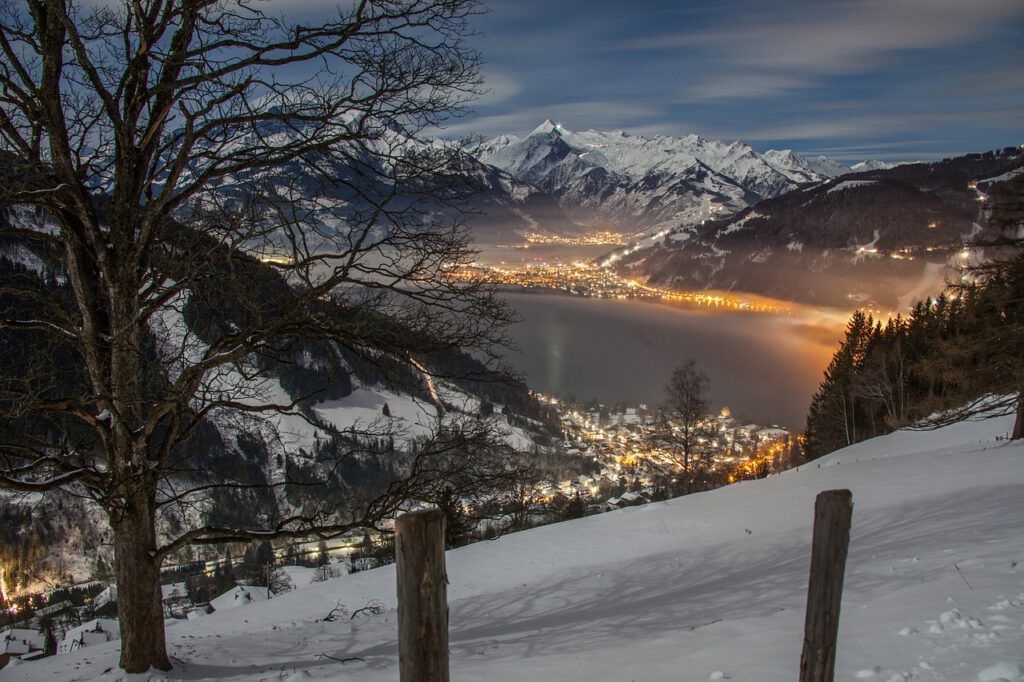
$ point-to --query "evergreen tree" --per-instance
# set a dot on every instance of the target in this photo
(832, 418)
(458, 525)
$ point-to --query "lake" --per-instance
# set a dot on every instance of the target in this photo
(765, 368)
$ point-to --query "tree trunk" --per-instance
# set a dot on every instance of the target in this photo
(1018, 424)
(139, 604)
(133, 511)
(686, 469)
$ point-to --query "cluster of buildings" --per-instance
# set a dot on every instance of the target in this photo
(623, 443)
(588, 279)
(599, 238)
(51, 631)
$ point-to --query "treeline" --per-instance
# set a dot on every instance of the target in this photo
(942, 363)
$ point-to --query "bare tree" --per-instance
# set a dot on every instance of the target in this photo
(685, 427)
(154, 153)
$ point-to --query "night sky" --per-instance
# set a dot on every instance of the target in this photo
(880, 79)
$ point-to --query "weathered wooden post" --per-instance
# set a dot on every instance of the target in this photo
(832, 512)
(422, 597)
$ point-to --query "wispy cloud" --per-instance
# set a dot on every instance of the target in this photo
(998, 79)
(742, 86)
(828, 37)
(499, 86)
(918, 75)
(775, 49)
(877, 125)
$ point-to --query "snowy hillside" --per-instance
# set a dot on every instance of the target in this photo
(710, 586)
(796, 165)
(344, 404)
(881, 238)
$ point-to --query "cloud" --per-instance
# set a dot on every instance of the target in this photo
(825, 37)
(997, 80)
(919, 75)
(743, 86)
(499, 86)
(775, 49)
(878, 125)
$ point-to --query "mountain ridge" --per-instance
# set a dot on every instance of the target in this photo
(659, 181)
(879, 238)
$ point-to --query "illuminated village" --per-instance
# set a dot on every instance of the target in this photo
(598, 238)
(633, 460)
(640, 462)
(581, 278)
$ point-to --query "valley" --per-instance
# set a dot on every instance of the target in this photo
(297, 298)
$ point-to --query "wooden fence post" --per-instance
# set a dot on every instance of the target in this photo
(422, 597)
(832, 512)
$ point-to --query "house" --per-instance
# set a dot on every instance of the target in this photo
(20, 642)
(96, 631)
(240, 595)
(630, 499)
(173, 591)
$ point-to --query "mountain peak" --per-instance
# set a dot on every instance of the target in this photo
(548, 126)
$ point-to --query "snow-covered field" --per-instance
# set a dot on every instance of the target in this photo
(711, 586)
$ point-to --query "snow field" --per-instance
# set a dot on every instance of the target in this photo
(710, 586)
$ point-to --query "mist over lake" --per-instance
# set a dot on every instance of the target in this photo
(763, 367)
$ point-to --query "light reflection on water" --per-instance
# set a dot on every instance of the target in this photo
(764, 367)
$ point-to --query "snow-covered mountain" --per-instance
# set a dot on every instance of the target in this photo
(642, 181)
(708, 586)
(799, 166)
(872, 165)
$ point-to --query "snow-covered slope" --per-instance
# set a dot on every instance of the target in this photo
(710, 586)
(797, 166)
(361, 408)
(871, 165)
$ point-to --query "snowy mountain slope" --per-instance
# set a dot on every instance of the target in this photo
(878, 238)
(647, 181)
(798, 166)
(710, 586)
(334, 392)
(872, 165)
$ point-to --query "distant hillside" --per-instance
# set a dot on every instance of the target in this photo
(340, 394)
(877, 238)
